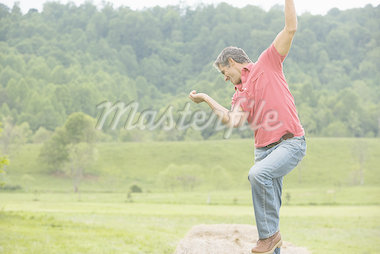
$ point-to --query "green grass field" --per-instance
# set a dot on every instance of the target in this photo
(325, 208)
(52, 225)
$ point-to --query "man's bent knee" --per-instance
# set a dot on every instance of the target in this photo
(257, 175)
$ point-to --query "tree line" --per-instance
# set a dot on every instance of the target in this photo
(69, 58)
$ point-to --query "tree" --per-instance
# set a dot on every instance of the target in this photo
(81, 156)
(54, 153)
(336, 129)
(4, 11)
(41, 135)
(3, 162)
(13, 135)
(71, 148)
(81, 135)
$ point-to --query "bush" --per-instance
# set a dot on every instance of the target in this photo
(8, 187)
(135, 189)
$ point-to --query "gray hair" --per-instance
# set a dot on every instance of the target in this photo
(237, 54)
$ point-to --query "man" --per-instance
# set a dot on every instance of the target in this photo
(263, 98)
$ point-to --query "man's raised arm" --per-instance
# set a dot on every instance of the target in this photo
(284, 39)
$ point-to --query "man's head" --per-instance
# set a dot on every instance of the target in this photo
(230, 62)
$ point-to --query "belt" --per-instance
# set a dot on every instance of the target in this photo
(285, 137)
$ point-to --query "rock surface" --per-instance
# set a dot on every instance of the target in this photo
(226, 239)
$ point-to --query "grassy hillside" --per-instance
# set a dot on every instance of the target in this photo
(155, 220)
(221, 164)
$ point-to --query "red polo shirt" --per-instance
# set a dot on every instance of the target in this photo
(265, 96)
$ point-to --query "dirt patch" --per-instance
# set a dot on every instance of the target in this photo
(226, 239)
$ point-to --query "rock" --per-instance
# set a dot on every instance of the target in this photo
(226, 239)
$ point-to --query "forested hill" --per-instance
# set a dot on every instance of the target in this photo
(70, 58)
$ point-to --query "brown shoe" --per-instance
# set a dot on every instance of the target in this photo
(268, 245)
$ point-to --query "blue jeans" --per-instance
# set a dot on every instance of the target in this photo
(271, 165)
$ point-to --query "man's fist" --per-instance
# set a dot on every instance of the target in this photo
(197, 97)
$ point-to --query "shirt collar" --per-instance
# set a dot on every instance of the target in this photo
(244, 76)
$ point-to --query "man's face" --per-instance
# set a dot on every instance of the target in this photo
(231, 73)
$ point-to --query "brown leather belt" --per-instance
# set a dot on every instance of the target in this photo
(285, 137)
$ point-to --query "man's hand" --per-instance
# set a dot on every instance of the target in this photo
(234, 118)
(197, 97)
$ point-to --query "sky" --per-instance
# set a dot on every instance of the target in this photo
(302, 6)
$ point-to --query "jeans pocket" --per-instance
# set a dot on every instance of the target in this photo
(260, 153)
(302, 150)
(298, 146)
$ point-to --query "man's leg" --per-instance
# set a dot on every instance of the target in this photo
(266, 182)
(277, 184)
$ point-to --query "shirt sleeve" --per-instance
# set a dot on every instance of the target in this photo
(271, 59)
